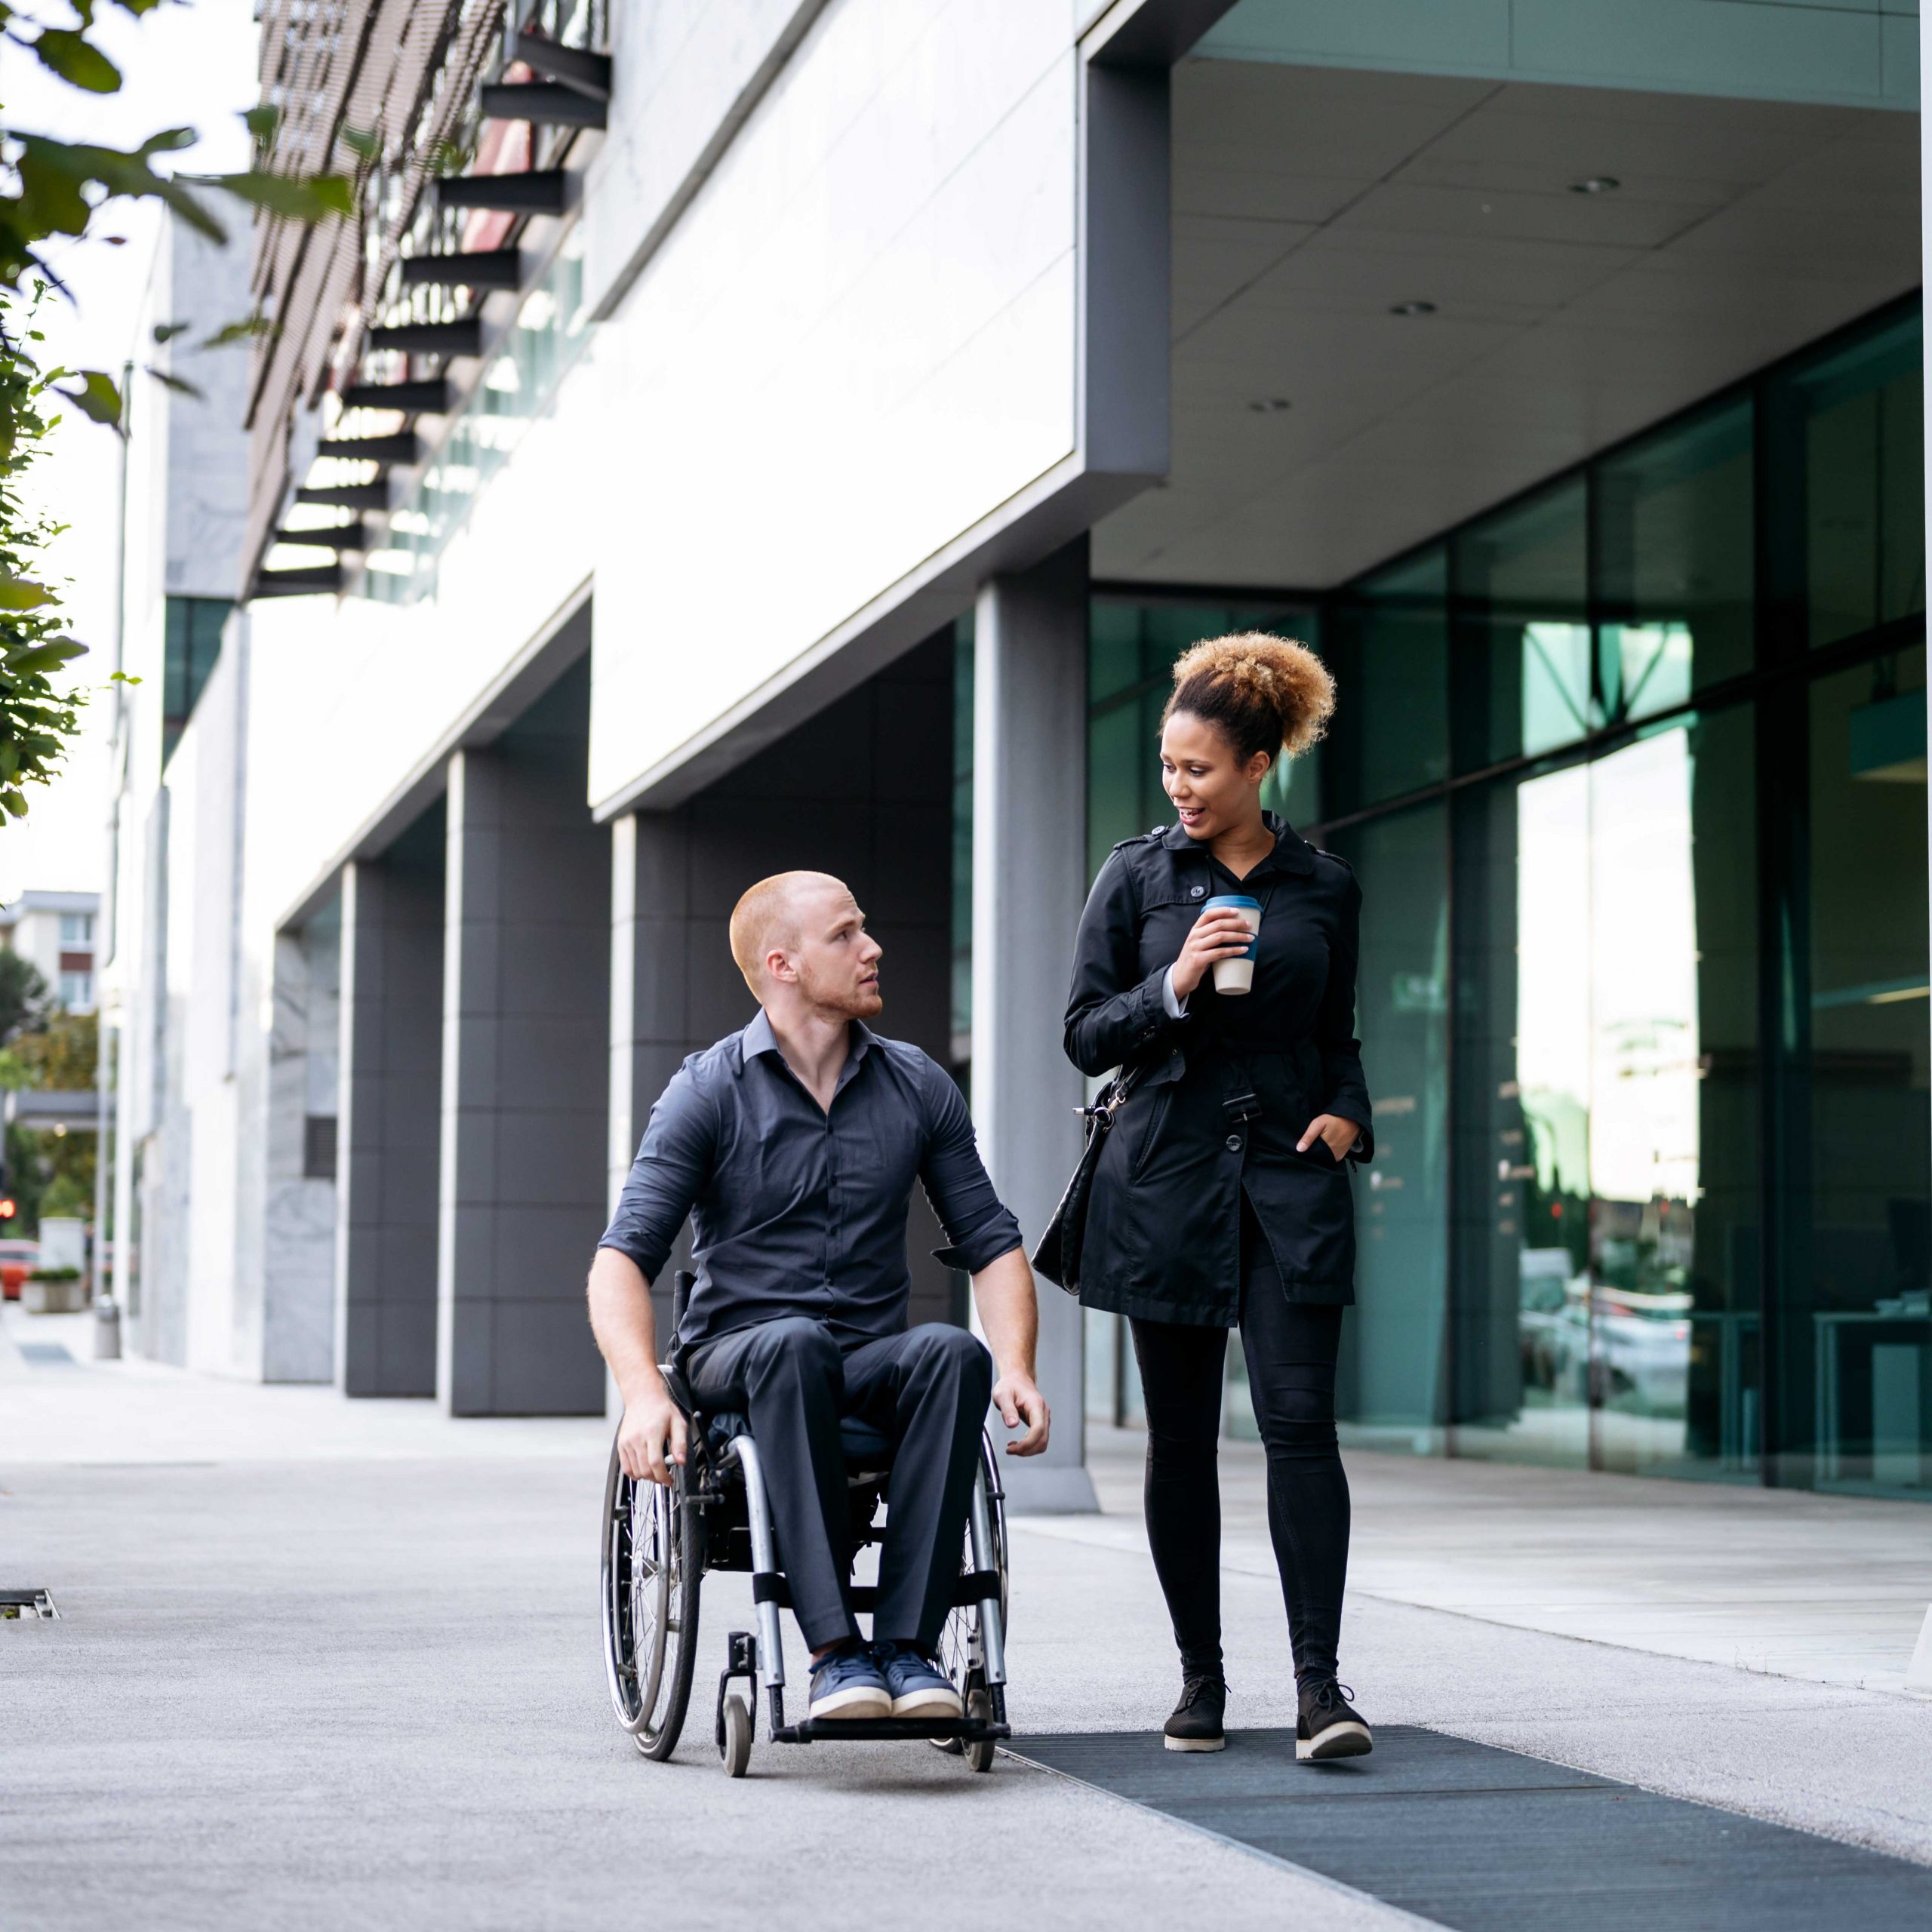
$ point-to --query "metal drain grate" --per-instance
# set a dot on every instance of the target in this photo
(15, 1605)
(1480, 1839)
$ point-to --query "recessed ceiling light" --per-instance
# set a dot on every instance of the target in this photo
(1268, 405)
(1598, 184)
(1414, 309)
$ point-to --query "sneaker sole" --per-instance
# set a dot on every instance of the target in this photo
(1194, 1743)
(855, 1704)
(928, 1704)
(1338, 1740)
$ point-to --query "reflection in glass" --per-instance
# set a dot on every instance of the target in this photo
(1606, 1256)
(1673, 1096)
(1864, 483)
(1388, 641)
(1390, 1386)
(1522, 633)
(1674, 563)
(1520, 1332)
(1869, 1316)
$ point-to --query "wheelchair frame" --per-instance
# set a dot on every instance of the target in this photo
(658, 1544)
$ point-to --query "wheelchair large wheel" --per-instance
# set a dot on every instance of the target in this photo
(653, 1565)
(962, 1653)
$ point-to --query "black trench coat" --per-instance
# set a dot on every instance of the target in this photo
(1227, 1089)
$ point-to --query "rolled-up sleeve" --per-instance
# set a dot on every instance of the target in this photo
(672, 1165)
(979, 1227)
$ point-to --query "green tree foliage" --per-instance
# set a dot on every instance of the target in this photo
(36, 718)
(50, 1173)
(24, 996)
(51, 192)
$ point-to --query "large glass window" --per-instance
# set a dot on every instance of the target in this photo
(1864, 1313)
(191, 643)
(1388, 641)
(1520, 1327)
(1522, 631)
(1606, 1280)
(1674, 563)
(1863, 459)
(1390, 1388)
(1644, 1012)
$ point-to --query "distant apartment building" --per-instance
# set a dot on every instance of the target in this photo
(55, 931)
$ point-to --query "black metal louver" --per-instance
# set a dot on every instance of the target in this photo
(488, 268)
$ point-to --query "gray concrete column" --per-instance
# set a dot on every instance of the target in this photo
(526, 1010)
(1029, 882)
(387, 1127)
(651, 940)
(298, 1220)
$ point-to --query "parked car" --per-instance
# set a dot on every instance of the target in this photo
(18, 1259)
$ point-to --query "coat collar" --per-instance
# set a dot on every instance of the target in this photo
(1292, 853)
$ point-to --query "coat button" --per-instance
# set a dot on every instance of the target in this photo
(1197, 892)
(1234, 1143)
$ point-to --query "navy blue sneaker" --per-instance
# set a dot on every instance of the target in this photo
(920, 1689)
(847, 1685)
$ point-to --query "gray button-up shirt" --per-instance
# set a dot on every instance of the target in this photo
(798, 1211)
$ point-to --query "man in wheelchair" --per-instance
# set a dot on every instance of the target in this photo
(793, 1145)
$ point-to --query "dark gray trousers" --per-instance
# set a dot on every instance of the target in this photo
(926, 1390)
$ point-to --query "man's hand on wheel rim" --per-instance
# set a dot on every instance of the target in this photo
(1017, 1399)
(650, 1423)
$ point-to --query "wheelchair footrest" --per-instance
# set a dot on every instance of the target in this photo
(968, 1730)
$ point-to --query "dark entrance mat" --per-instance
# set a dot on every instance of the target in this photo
(1489, 1841)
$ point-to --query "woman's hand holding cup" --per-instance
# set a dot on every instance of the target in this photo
(1220, 933)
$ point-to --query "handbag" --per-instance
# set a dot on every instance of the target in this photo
(1057, 1254)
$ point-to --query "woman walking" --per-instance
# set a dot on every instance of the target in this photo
(1221, 1194)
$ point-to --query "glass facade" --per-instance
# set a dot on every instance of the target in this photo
(191, 642)
(551, 329)
(1633, 772)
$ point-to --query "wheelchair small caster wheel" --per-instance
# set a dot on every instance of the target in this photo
(979, 1751)
(951, 1746)
(736, 1750)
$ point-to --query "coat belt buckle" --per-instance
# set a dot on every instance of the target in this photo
(1240, 1108)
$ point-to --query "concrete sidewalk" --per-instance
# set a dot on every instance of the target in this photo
(322, 1663)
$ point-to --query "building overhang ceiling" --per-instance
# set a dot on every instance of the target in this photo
(1317, 430)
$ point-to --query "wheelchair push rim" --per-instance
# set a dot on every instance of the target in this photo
(962, 1648)
(649, 1577)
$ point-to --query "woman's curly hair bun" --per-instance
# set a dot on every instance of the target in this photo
(1265, 693)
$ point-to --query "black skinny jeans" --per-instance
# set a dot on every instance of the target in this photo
(1291, 1348)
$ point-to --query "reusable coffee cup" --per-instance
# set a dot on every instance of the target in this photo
(1237, 976)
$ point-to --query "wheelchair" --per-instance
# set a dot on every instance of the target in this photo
(658, 1545)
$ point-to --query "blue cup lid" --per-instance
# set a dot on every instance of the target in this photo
(1232, 899)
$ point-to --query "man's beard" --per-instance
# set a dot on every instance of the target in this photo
(844, 1002)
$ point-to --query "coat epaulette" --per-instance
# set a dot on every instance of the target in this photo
(1159, 832)
(1322, 852)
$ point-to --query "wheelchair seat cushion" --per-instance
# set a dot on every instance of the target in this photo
(866, 1447)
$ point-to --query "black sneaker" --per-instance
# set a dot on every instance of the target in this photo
(1330, 1727)
(1196, 1723)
